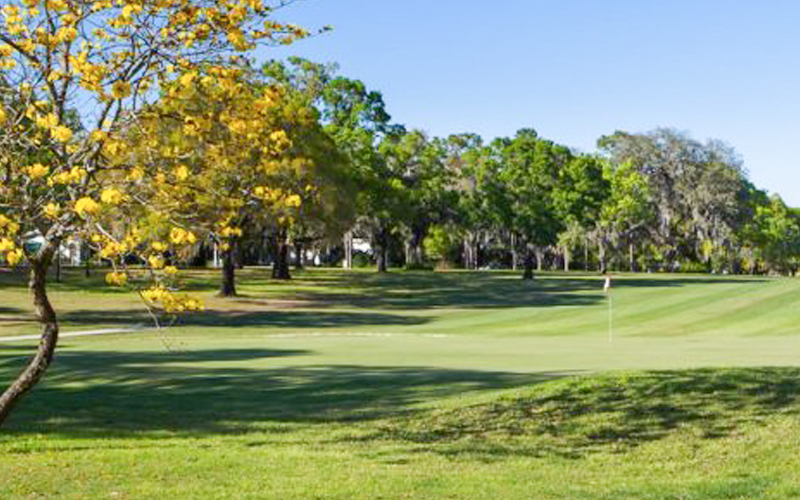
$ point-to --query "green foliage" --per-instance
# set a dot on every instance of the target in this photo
(442, 242)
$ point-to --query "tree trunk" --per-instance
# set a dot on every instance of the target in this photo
(381, 239)
(566, 258)
(471, 251)
(298, 255)
(514, 256)
(47, 344)
(632, 259)
(280, 269)
(414, 251)
(528, 263)
(348, 250)
(601, 257)
(228, 286)
(586, 254)
(381, 260)
(539, 259)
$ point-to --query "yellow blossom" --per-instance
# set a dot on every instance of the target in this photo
(14, 257)
(37, 171)
(117, 279)
(52, 210)
(156, 261)
(112, 196)
(113, 249)
(8, 226)
(182, 172)
(293, 201)
(86, 206)
(180, 236)
(61, 133)
(7, 244)
(159, 246)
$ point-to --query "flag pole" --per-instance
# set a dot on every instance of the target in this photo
(610, 320)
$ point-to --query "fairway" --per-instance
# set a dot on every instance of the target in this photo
(415, 385)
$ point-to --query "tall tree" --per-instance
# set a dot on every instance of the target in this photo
(530, 172)
(104, 57)
(694, 187)
(228, 155)
(579, 195)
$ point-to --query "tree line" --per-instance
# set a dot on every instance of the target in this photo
(656, 201)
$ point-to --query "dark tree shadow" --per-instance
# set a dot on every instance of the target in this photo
(186, 393)
(424, 290)
(409, 290)
(609, 412)
(242, 319)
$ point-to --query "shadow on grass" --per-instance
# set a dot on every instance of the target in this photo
(424, 290)
(411, 290)
(243, 319)
(614, 412)
(91, 394)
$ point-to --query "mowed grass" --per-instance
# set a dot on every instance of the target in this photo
(415, 385)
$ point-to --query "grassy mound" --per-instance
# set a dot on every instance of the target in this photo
(613, 411)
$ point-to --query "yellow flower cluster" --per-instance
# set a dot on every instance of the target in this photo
(37, 171)
(8, 226)
(52, 210)
(48, 121)
(86, 206)
(159, 246)
(7, 245)
(13, 254)
(117, 279)
(171, 302)
(293, 201)
(14, 257)
(61, 133)
(278, 197)
(112, 196)
(181, 173)
(180, 236)
(113, 249)
(75, 175)
(136, 174)
(230, 232)
(156, 261)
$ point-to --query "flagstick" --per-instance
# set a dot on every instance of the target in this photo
(610, 320)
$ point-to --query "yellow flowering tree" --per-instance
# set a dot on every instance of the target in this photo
(228, 154)
(106, 58)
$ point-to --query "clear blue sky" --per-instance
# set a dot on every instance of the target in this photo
(578, 69)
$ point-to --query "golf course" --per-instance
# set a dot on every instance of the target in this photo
(356, 385)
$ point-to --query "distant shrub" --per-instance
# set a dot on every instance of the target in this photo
(362, 259)
(419, 266)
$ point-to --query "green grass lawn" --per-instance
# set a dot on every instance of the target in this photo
(415, 385)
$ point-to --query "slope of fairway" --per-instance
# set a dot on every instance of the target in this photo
(416, 385)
